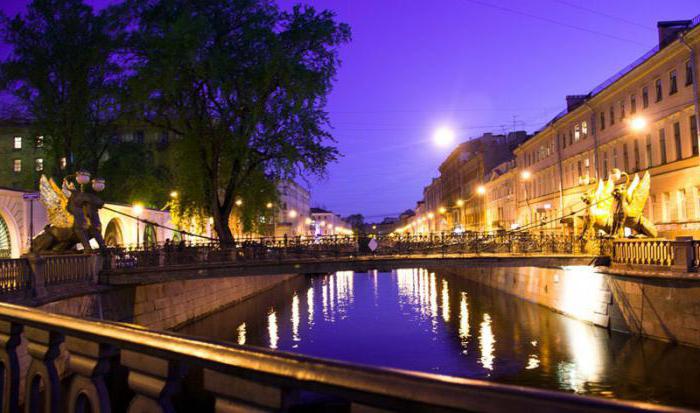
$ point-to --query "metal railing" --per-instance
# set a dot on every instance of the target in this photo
(15, 276)
(118, 367)
(280, 249)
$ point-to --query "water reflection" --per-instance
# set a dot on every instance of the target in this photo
(435, 322)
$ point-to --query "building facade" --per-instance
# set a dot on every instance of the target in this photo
(325, 223)
(500, 198)
(293, 218)
(642, 119)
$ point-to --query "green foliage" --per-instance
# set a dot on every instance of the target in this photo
(244, 86)
(133, 176)
(61, 71)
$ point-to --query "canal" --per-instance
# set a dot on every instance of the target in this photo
(428, 321)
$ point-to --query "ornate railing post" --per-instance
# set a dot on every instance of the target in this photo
(91, 362)
(45, 370)
(38, 266)
(154, 380)
(683, 254)
(10, 337)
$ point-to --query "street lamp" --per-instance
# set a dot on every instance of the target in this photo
(638, 124)
(268, 205)
(480, 190)
(137, 208)
(525, 176)
(443, 136)
(292, 213)
(239, 202)
(174, 194)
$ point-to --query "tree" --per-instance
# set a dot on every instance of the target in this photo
(62, 72)
(356, 221)
(243, 84)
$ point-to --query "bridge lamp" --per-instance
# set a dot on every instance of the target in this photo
(82, 177)
(480, 190)
(268, 205)
(98, 184)
(442, 210)
(239, 202)
(137, 209)
(638, 124)
(174, 194)
(292, 213)
(431, 215)
(525, 175)
(443, 137)
(307, 221)
(460, 203)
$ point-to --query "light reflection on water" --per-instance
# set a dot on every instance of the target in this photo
(423, 320)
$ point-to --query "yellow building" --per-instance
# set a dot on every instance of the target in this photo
(500, 198)
(644, 118)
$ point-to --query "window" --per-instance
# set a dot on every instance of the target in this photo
(614, 158)
(662, 145)
(688, 73)
(622, 109)
(681, 199)
(38, 164)
(625, 157)
(18, 142)
(673, 82)
(605, 165)
(577, 132)
(659, 90)
(602, 120)
(694, 134)
(563, 140)
(645, 97)
(580, 170)
(612, 115)
(571, 137)
(63, 163)
(584, 129)
(664, 207)
(637, 161)
(17, 165)
(677, 140)
(650, 160)
(633, 104)
(39, 142)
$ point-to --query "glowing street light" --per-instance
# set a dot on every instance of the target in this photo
(443, 137)
(268, 205)
(174, 194)
(460, 203)
(638, 124)
(292, 213)
(307, 221)
(137, 209)
(431, 215)
(525, 175)
(442, 210)
(239, 202)
(480, 190)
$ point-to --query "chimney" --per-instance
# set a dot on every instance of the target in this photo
(574, 101)
(669, 31)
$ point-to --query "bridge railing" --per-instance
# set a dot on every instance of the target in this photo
(680, 255)
(72, 365)
(279, 249)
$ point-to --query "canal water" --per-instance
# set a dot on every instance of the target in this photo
(434, 322)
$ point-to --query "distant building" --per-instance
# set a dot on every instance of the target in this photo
(500, 197)
(324, 222)
(294, 213)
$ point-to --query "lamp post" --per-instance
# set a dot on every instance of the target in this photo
(525, 176)
(138, 210)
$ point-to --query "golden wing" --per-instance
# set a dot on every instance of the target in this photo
(638, 197)
(632, 188)
(605, 198)
(55, 202)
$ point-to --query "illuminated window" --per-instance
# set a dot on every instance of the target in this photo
(39, 142)
(673, 82)
(681, 199)
(18, 142)
(38, 164)
(688, 73)
(659, 90)
(665, 199)
(577, 132)
(584, 128)
(17, 165)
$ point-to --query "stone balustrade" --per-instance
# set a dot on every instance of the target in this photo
(679, 255)
(53, 363)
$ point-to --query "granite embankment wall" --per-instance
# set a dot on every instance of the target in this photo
(166, 305)
(665, 309)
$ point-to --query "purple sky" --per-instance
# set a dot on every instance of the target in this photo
(473, 65)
